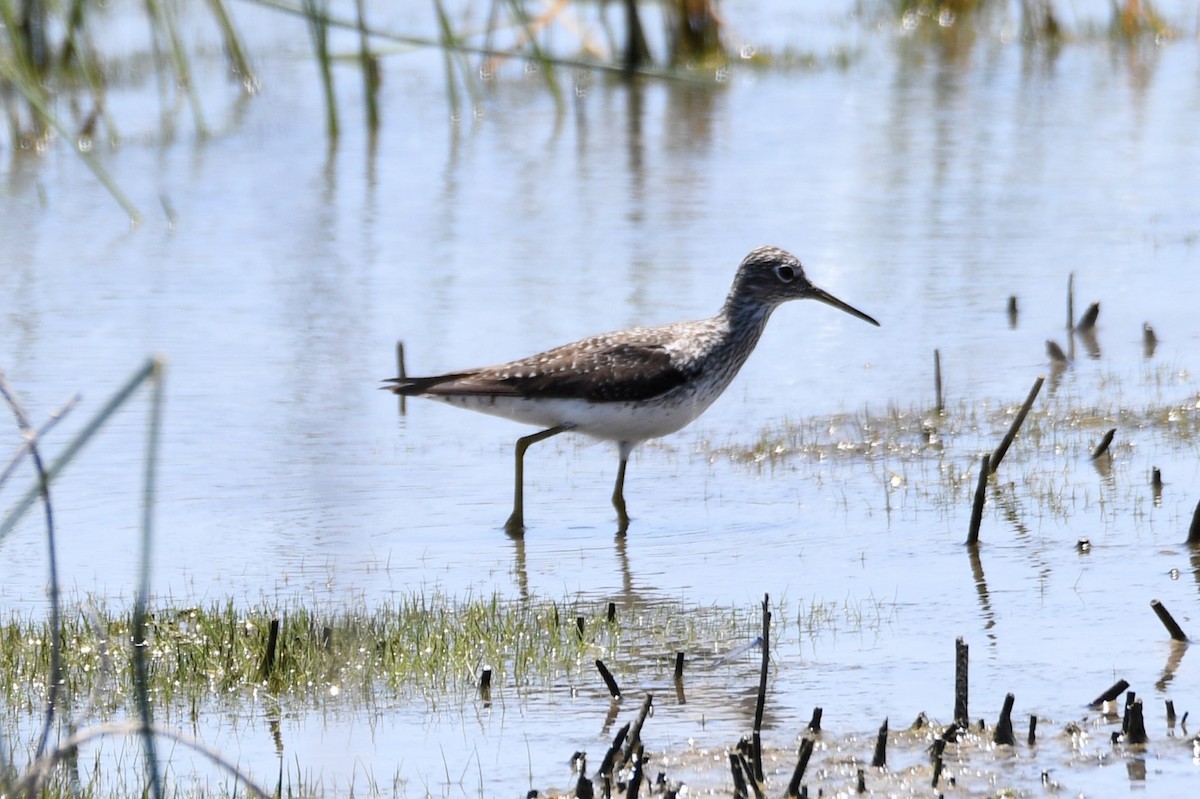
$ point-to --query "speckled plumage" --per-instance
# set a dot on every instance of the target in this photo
(631, 385)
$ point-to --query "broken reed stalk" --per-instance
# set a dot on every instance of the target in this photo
(678, 666)
(1088, 320)
(961, 658)
(939, 746)
(1115, 690)
(401, 371)
(806, 748)
(606, 675)
(1168, 621)
(762, 687)
(633, 741)
(1004, 731)
(814, 724)
(739, 779)
(1171, 713)
(1194, 531)
(879, 760)
(635, 781)
(937, 380)
(1006, 442)
(485, 685)
(1032, 739)
(579, 626)
(977, 505)
(1136, 728)
(610, 758)
(612, 612)
(1102, 447)
(1129, 700)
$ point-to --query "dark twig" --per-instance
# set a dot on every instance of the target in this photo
(1194, 531)
(1168, 621)
(998, 455)
(961, 661)
(1102, 447)
(1032, 739)
(1004, 731)
(806, 749)
(1115, 690)
(977, 505)
(1088, 320)
(633, 741)
(879, 760)
(814, 724)
(937, 380)
(606, 675)
(762, 687)
(1136, 732)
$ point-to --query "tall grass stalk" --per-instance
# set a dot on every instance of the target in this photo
(370, 69)
(142, 681)
(43, 485)
(316, 12)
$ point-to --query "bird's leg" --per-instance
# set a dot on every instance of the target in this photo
(618, 497)
(516, 522)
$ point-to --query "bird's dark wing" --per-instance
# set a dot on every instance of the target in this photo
(596, 370)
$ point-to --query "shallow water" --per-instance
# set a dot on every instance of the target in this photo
(923, 188)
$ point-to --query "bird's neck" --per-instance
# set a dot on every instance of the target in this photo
(744, 321)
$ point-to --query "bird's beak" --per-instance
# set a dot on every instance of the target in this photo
(827, 298)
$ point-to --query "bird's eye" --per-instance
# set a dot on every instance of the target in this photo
(785, 273)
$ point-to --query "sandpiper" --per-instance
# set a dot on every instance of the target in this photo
(630, 385)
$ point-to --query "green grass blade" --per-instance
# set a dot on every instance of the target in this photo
(146, 372)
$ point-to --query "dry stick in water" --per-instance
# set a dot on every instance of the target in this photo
(635, 782)
(1136, 731)
(1112, 693)
(961, 652)
(1032, 739)
(401, 371)
(1004, 730)
(678, 666)
(739, 780)
(977, 505)
(937, 379)
(1102, 447)
(806, 748)
(612, 612)
(814, 724)
(1171, 713)
(633, 741)
(1088, 320)
(1194, 530)
(606, 675)
(1006, 442)
(762, 687)
(1168, 621)
(610, 758)
(880, 758)
(1129, 700)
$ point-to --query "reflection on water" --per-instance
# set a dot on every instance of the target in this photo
(930, 185)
